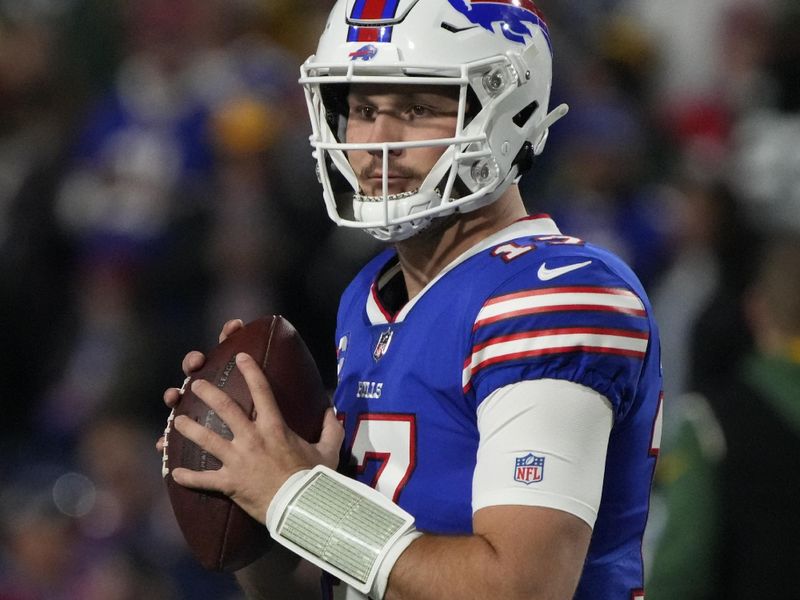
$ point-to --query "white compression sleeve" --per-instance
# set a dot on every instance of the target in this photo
(543, 443)
(344, 527)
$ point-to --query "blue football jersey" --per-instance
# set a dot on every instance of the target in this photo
(528, 303)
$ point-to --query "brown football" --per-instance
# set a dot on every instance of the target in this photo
(220, 534)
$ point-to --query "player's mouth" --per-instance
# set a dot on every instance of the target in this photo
(396, 183)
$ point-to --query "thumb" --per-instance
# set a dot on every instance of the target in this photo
(331, 438)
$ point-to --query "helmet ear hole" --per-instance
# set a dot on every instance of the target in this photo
(525, 114)
(334, 99)
(524, 159)
(459, 190)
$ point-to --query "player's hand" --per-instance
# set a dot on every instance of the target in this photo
(193, 361)
(263, 453)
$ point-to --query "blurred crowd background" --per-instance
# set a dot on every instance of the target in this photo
(156, 180)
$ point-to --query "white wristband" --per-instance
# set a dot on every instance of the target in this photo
(387, 563)
(344, 527)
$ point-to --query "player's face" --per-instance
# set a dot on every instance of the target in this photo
(398, 114)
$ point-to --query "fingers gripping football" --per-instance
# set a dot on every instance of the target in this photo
(194, 361)
(263, 453)
(229, 328)
(294, 453)
(241, 456)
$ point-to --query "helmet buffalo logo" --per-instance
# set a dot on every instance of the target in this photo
(367, 52)
(511, 15)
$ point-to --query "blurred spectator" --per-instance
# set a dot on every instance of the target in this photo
(785, 56)
(131, 517)
(38, 94)
(765, 166)
(733, 529)
(720, 335)
(697, 300)
(47, 556)
(98, 526)
(696, 42)
(131, 187)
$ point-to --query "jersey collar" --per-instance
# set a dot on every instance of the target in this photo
(378, 314)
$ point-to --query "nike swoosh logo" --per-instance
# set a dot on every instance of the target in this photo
(546, 274)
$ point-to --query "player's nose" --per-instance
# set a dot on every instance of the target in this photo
(385, 128)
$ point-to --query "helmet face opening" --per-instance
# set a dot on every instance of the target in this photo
(502, 89)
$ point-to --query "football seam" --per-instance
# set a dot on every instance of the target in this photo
(232, 506)
(224, 543)
(267, 348)
(223, 548)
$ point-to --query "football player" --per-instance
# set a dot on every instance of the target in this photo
(499, 392)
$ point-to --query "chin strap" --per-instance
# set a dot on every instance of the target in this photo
(359, 197)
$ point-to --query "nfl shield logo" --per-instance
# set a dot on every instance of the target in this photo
(383, 344)
(529, 469)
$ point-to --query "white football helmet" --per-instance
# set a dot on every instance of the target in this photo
(497, 52)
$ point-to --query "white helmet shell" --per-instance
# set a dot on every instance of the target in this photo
(497, 52)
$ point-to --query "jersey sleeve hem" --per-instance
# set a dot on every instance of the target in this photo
(535, 498)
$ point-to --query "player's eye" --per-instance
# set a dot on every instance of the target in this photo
(364, 111)
(419, 110)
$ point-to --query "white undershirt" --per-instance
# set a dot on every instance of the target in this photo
(566, 423)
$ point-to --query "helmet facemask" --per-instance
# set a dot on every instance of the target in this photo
(495, 126)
